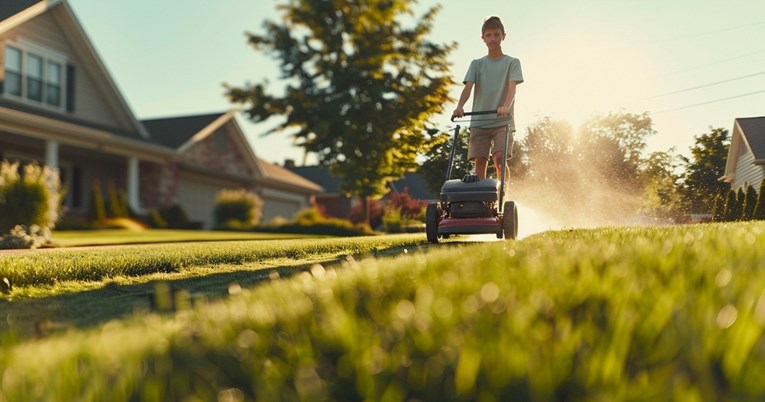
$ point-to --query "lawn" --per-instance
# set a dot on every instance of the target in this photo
(637, 313)
(72, 238)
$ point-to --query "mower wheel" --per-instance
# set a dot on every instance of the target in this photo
(510, 220)
(432, 216)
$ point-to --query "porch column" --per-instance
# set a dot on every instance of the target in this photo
(51, 154)
(133, 187)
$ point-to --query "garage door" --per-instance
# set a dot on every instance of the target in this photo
(198, 199)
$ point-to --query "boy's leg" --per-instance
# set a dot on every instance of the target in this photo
(478, 150)
(480, 167)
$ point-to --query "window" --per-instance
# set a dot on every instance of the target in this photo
(34, 74)
(12, 71)
(53, 84)
(34, 77)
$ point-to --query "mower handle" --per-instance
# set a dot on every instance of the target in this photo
(476, 113)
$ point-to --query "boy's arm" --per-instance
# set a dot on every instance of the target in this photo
(464, 96)
(504, 109)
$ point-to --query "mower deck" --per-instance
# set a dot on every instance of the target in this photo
(449, 226)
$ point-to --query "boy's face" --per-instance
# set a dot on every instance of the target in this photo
(493, 37)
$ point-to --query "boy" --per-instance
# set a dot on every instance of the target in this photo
(494, 77)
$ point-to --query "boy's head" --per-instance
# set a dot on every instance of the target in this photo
(492, 22)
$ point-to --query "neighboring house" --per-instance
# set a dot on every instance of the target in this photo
(212, 154)
(335, 204)
(59, 106)
(746, 155)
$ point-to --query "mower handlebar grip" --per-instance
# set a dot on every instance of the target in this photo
(475, 113)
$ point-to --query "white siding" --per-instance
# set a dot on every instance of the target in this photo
(747, 171)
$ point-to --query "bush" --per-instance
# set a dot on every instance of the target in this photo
(118, 207)
(96, 206)
(26, 237)
(237, 208)
(311, 221)
(31, 198)
(175, 217)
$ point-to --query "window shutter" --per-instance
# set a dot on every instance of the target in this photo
(70, 88)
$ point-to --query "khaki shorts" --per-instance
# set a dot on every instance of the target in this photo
(485, 141)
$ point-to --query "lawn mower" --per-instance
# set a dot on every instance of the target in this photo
(472, 205)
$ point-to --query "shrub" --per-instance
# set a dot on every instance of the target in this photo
(96, 206)
(750, 202)
(311, 221)
(175, 216)
(759, 209)
(26, 237)
(118, 207)
(731, 207)
(31, 198)
(717, 210)
(156, 220)
(237, 208)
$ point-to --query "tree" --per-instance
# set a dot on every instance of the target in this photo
(662, 197)
(435, 166)
(549, 151)
(614, 144)
(360, 86)
(702, 171)
(718, 213)
(759, 209)
(750, 202)
(729, 214)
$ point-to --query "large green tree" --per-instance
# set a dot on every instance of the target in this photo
(704, 169)
(361, 84)
(662, 196)
(549, 151)
(614, 143)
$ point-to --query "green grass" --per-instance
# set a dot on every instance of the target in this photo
(72, 238)
(664, 313)
(49, 267)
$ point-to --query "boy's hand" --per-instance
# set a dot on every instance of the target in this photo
(503, 110)
(458, 112)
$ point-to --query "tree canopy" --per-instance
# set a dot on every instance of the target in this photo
(704, 169)
(360, 85)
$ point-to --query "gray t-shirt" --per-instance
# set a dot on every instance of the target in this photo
(490, 78)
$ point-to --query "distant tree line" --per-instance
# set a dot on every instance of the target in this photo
(602, 170)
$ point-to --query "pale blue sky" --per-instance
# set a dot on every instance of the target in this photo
(674, 58)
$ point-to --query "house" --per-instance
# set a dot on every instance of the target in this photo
(746, 155)
(59, 106)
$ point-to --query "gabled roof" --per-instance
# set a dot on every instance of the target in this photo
(9, 8)
(749, 133)
(182, 132)
(753, 129)
(319, 175)
(282, 174)
(176, 131)
(14, 13)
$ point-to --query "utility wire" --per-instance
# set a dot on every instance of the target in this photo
(715, 62)
(712, 101)
(709, 85)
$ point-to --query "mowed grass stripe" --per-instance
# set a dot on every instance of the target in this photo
(667, 313)
(52, 266)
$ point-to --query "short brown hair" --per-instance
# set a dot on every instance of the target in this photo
(492, 22)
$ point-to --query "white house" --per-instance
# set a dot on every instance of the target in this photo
(60, 106)
(746, 155)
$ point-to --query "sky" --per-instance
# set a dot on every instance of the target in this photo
(692, 65)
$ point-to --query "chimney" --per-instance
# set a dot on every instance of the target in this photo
(289, 163)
